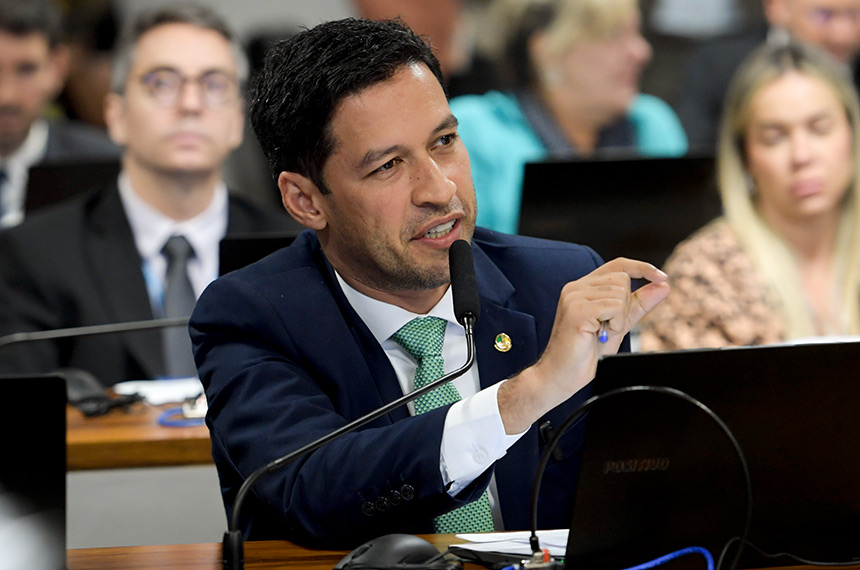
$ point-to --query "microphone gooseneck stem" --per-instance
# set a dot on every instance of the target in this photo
(91, 330)
(232, 543)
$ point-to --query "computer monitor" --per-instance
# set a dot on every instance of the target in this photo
(632, 207)
(658, 474)
(33, 471)
(48, 183)
(238, 250)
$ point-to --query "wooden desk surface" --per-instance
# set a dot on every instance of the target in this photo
(264, 554)
(132, 438)
(258, 555)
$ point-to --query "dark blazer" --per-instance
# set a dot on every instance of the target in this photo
(76, 264)
(285, 359)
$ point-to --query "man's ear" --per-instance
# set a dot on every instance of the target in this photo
(302, 199)
(114, 113)
(59, 63)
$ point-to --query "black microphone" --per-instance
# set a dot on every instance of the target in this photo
(464, 289)
(90, 330)
(464, 285)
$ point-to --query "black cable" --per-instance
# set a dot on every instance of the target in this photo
(547, 452)
(790, 556)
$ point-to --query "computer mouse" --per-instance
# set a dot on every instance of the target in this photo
(389, 550)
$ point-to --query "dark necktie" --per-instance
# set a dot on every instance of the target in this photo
(179, 301)
(423, 339)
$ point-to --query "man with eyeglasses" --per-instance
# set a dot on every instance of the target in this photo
(147, 245)
(833, 25)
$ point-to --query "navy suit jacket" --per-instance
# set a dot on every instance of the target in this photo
(285, 360)
(74, 264)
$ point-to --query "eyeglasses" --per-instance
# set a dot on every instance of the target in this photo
(217, 88)
(826, 16)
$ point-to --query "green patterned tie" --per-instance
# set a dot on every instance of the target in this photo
(422, 338)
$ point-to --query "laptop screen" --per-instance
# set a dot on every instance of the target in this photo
(635, 207)
(659, 475)
(33, 471)
(238, 250)
(48, 183)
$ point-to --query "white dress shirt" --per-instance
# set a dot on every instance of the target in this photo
(151, 230)
(474, 436)
(17, 166)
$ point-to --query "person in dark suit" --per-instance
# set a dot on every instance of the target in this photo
(33, 65)
(833, 25)
(178, 112)
(355, 124)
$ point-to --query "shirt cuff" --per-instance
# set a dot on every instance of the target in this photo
(473, 439)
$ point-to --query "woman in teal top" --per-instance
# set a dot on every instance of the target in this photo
(577, 63)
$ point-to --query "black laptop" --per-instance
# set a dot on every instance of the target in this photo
(33, 471)
(658, 474)
(238, 250)
(632, 207)
(48, 183)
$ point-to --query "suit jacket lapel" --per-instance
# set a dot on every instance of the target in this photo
(496, 365)
(371, 370)
(496, 317)
(118, 277)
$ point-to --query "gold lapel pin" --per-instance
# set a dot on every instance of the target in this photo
(503, 342)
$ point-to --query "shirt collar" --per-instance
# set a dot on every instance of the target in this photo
(151, 228)
(384, 319)
(32, 150)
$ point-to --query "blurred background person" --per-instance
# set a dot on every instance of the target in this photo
(124, 251)
(447, 25)
(833, 25)
(574, 91)
(784, 261)
(91, 30)
(33, 65)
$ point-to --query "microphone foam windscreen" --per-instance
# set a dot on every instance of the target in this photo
(464, 286)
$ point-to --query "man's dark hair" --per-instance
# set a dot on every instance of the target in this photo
(304, 78)
(24, 17)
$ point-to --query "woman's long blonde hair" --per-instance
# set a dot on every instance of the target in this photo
(769, 251)
(565, 22)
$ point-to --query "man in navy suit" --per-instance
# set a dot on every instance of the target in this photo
(356, 126)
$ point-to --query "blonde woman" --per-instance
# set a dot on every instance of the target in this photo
(576, 66)
(784, 261)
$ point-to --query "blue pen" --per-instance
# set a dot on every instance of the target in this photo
(603, 335)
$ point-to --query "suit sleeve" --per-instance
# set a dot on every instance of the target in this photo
(270, 392)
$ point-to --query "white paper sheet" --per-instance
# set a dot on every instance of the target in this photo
(516, 542)
(159, 392)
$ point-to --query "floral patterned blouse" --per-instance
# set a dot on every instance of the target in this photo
(718, 297)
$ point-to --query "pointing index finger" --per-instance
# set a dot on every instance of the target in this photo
(634, 268)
